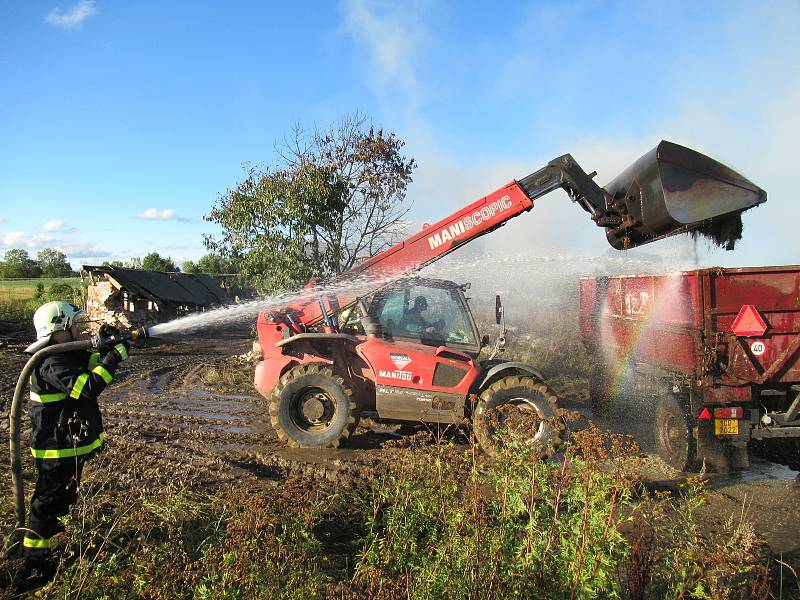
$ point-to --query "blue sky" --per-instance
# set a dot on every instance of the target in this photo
(122, 123)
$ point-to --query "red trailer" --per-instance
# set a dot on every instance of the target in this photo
(717, 350)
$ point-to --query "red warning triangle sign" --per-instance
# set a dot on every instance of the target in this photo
(704, 414)
(748, 322)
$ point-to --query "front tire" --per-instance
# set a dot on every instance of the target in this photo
(675, 443)
(312, 407)
(500, 406)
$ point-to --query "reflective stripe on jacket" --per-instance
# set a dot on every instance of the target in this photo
(65, 418)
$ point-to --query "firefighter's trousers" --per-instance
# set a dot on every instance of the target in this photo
(56, 490)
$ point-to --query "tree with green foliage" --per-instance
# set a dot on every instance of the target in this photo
(53, 263)
(190, 266)
(334, 198)
(17, 265)
(214, 264)
(155, 262)
(113, 263)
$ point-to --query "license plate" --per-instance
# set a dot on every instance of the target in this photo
(726, 426)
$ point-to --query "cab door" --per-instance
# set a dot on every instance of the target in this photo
(422, 372)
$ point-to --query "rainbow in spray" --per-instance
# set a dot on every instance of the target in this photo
(632, 308)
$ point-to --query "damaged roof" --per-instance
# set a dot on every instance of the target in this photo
(181, 288)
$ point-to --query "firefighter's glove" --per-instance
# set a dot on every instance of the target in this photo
(107, 330)
(116, 354)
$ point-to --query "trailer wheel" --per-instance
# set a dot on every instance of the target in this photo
(312, 407)
(600, 390)
(675, 443)
(522, 407)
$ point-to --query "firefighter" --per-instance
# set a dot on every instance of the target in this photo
(66, 426)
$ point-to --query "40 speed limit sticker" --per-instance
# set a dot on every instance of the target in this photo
(758, 348)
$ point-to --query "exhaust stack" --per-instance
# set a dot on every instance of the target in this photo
(672, 190)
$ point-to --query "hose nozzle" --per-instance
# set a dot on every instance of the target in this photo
(109, 336)
(139, 334)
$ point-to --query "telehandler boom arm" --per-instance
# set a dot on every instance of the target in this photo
(669, 190)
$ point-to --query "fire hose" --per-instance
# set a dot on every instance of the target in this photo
(97, 342)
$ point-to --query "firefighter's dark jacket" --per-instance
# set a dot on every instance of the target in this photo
(65, 417)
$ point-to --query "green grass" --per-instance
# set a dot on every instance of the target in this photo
(19, 298)
(25, 289)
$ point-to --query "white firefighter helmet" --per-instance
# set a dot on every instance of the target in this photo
(52, 317)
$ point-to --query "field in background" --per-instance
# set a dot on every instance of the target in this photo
(25, 289)
(19, 298)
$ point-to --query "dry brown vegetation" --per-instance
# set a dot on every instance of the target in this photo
(437, 521)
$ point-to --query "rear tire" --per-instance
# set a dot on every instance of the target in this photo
(675, 442)
(312, 407)
(533, 398)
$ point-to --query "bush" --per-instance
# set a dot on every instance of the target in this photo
(524, 528)
(520, 528)
(66, 292)
(18, 310)
(24, 301)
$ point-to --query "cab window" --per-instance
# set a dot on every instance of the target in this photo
(429, 314)
(391, 310)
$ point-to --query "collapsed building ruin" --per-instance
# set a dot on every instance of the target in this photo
(132, 297)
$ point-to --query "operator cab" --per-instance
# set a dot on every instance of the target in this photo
(428, 311)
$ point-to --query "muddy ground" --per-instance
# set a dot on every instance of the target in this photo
(167, 419)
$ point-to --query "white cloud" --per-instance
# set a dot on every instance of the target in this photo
(78, 252)
(740, 112)
(153, 214)
(72, 18)
(393, 35)
(54, 225)
(20, 239)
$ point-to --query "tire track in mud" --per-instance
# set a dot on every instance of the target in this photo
(161, 415)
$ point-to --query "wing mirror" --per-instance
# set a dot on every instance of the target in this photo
(500, 344)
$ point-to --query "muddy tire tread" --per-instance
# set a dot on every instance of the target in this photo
(544, 450)
(671, 409)
(302, 371)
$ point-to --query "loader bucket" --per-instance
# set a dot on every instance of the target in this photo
(672, 190)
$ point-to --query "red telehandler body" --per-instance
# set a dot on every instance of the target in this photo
(373, 338)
